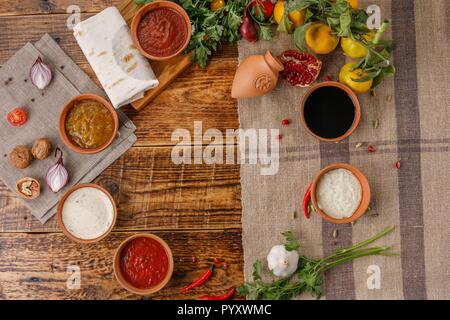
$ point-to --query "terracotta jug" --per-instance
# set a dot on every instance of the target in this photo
(256, 76)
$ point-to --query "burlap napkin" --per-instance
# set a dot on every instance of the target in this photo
(43, 109)
(413, 115)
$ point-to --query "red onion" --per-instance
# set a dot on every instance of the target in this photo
(57, 175)
(247, 28)
(40, 74)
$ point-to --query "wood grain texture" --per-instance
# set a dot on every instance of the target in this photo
(15, 31)
(152, 193)
(196, 95)
(34, 266)
(200, 202)
(33, 7)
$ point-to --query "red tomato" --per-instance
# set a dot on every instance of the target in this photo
(17, 117)
(266, 8)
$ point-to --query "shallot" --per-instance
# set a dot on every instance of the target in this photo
(57, 176)
(40, 74)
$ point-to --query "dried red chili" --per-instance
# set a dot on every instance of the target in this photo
(203, 278)
(223, 297)
(306, 200)
(371, 149)
(398, 164)
(285, 122)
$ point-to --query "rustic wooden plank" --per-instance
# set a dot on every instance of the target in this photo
(15, 31)
(32, 7)
(34, 266)
(152, 193)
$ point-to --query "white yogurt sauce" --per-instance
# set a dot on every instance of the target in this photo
(339, 193)
(87, 213)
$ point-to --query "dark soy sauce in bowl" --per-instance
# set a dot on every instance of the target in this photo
(329, 112)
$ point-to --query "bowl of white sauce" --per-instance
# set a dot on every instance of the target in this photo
(86, 213)
(340, 193)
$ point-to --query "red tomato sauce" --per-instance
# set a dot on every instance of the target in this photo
(162, 32)
(144, 263)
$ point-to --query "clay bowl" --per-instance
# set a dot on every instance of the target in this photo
(62, 123)
(365, 189)
(61, 205)
(127, 285)
(350, 93)
(152, 6)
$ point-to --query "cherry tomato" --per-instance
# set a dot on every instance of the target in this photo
(17, 117)
(266, 7)
(217, 5)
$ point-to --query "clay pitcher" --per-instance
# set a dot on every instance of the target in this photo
(256, 76)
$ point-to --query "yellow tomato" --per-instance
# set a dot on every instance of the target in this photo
(353, 48)
(346, 76)
(354, 4)
(217, 4)
(320, 39)
(297, 17)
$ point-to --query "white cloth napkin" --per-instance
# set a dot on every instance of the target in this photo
(106, 42)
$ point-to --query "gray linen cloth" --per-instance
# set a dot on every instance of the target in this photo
(43, 108)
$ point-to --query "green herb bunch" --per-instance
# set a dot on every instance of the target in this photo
(309, 277)
(209, 28)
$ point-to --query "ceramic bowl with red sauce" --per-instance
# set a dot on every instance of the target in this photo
(143, 264)
(161, 30)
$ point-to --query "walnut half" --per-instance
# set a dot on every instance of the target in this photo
(28, 188)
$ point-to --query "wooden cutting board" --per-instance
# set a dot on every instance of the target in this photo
(166, 71)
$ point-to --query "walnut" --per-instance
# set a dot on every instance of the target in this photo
(20, 157)
(41, 148)
(28, 188)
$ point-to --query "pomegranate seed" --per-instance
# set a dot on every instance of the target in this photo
(216, 260)
(327, 78)
(398, 164)
(371, 148)
(279, 137)
(194, 259)
(285, 122)
(225, 266)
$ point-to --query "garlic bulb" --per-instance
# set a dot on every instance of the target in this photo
(281, 262)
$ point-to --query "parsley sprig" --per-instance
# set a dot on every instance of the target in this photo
(309, 277)
(209, 28)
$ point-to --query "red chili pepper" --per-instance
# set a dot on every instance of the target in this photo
(306, 200)
(226, 296)
(371, 149)
(203, 278)
(279, 137)
(285, 122)
(398, 164)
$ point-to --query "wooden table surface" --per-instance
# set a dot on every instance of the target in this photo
(195, 208)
